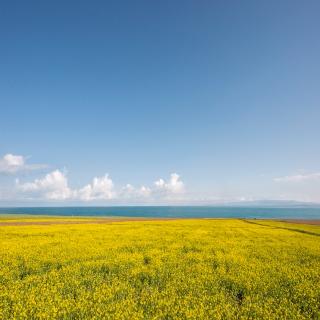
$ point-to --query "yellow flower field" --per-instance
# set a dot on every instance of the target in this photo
(180, 269)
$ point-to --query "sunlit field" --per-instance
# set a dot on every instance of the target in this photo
(179, 269)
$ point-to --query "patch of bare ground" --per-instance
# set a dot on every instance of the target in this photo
(94, 221)
(303, 221)
(125, 219)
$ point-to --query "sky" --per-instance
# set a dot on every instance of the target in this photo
(159, 102)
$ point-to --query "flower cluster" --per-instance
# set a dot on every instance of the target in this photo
(182, 269)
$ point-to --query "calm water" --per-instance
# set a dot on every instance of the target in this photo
(163, 211)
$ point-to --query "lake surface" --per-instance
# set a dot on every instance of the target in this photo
(173, 211)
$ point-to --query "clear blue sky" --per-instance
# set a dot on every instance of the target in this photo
(226, 94)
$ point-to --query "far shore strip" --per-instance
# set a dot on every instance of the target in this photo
(125, 219)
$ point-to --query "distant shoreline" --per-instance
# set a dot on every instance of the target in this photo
(44, 221)
(177, 212)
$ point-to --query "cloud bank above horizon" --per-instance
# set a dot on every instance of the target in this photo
(54, 186)
(297, 178)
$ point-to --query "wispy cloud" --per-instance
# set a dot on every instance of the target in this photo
(299, 177)
(11, 164)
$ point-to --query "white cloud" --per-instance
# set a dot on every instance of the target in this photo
(161, 190)
(130, 192)
(160, 184)
(11, 164)
(299, 177)
(101, 188)
(174, 185)
(144, 191)
(53, 186)
(129, 189)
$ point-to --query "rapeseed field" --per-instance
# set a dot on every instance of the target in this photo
(180, 269)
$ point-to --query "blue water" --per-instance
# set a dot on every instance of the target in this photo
(176, 211)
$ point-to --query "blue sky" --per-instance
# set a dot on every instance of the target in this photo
(224, 95)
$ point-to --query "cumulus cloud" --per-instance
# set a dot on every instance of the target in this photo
(130, 192)
(299, 177)
(161, 189)
(101, 188)
(174, 185)
(11, 164)
(53, 186)
(144, 191)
